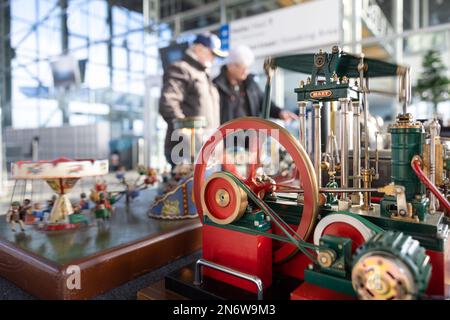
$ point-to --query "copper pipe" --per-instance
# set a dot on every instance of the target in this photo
(416, 163)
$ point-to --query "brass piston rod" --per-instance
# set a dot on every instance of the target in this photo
(330, 190)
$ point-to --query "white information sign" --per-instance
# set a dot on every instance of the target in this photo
(302, 26)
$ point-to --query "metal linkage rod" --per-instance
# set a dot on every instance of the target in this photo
(317, 143)
(356, 145)
(302, 122)
(344, 144)
(330, 190)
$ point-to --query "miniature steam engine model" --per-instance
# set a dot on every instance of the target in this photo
(322, 225)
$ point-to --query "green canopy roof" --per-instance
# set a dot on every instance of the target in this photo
(347, 65)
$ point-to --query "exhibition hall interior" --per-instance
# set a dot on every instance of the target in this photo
(224, 150)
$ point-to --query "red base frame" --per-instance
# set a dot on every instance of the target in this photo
(243, 252)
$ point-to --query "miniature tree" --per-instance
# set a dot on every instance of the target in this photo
(433, 85)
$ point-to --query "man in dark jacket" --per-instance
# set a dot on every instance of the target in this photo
(188, 90)
(240, 95)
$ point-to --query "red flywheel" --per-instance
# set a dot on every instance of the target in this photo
(223, 201)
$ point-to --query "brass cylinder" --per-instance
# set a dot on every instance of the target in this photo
(367, 181)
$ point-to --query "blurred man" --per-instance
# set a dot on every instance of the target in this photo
(188, 89)
(240, 95)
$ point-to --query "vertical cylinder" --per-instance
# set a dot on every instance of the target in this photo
(317, 143)
(433, 134)
(366, 132)
(302, 123)
(356, 145)
(363, 92)
(407, 140)
(367, 182)
(344, 103)
(325, 124)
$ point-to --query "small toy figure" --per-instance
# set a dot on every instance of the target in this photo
(77, 217)
(101, 210)
(13, 216)
(132, 189)
(120, 173)
(76, 208)
(38, 213)
(84, 202)
(152, 177)
(50, 204)
(103, 201)
(25, 212)
(25, 207)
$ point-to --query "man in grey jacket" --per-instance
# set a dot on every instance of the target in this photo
(188, 90)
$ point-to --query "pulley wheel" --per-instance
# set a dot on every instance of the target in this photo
(222, 200)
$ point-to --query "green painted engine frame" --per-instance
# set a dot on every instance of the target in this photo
(406, 143)
(326, 64)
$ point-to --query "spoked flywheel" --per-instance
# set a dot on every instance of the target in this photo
(221, 199)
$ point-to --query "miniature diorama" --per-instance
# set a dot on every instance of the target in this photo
(174, 200)
(48, 230)
(61, 175)
(336, 227)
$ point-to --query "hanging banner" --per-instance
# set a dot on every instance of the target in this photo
(303, 26)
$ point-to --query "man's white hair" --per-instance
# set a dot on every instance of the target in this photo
(241, 54)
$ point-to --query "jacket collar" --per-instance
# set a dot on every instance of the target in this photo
(189, 58)
(222, 81)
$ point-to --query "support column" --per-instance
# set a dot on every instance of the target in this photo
(317, 142)
(415, 14)
(109, 22)
(325, 125)
(344, 105)
(302, 123)
(398, 42)
(223, 12)
(153, 150)
(6, 55)
(352, 25)
(425, 13)
(62, 101)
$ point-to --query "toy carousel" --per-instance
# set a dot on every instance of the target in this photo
(61, 175)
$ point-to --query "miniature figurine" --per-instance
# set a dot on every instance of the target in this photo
(103, 201)
(84, 202)
(152, 177)
(26, 206)
(77, 216)
(13, 216)
(132, 189)
(38, 213)
(25, 212)
(102, 211)
(50, 204)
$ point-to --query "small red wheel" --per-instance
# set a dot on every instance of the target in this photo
(302, 163)
(343, 225)
(222, 200)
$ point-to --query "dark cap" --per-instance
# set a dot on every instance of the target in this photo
(212, 42)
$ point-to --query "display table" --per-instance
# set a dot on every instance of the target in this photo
(109, 255)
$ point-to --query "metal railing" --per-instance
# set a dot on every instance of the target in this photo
(198, 280)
